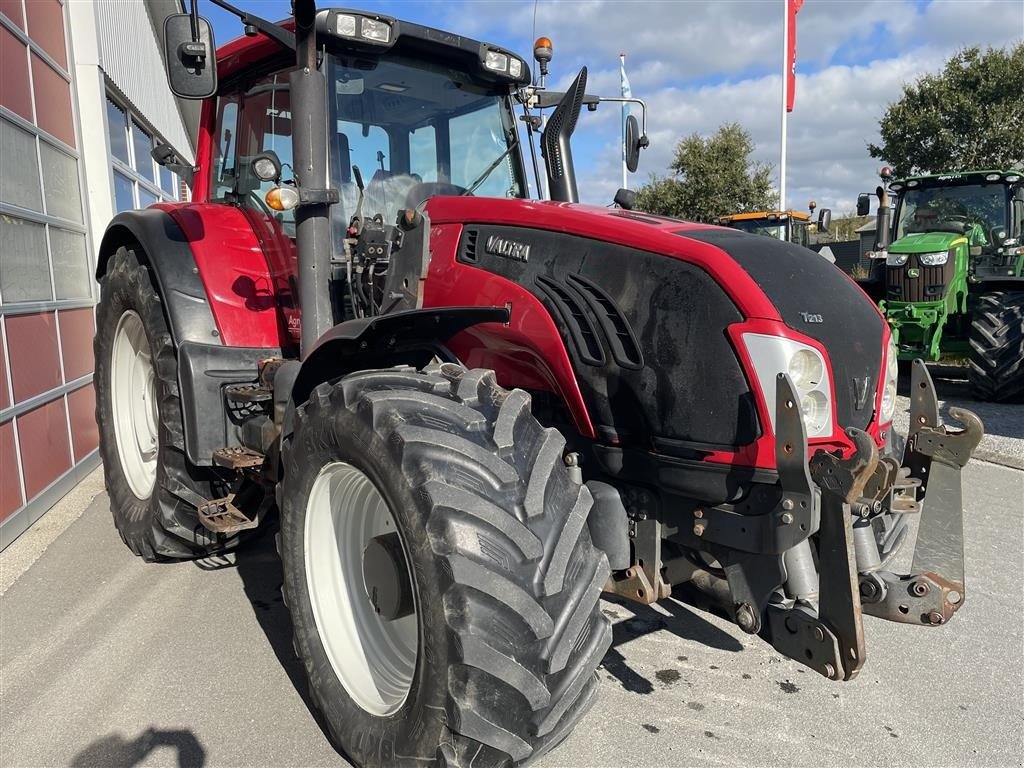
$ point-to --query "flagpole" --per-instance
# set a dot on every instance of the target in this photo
(785, 81)
(625, 179)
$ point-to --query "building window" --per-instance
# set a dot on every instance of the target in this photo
(138, 180)
(46, 283)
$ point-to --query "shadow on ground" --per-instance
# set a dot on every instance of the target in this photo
(682, 621)
(259, 567)
(116, 751)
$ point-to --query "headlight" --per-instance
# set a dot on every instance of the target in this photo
(892, 374)
(345, 24)
(378, 31)
(266, 167)
(814, 408)
(936, 259)
(895, 259)
(772, 355)
(371, 30)
(495, 61)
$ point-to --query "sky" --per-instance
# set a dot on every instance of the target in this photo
(700, 64)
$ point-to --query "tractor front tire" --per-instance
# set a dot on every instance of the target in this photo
(493, 660)
(138, 411)
(997, 347)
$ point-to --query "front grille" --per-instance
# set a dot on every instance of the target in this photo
(929, 285)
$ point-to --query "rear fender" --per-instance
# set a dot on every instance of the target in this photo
(160, 244)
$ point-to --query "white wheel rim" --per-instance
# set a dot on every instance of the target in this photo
(134, 404)
(374, 659)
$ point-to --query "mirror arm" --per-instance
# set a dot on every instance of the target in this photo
(268, 28)
(644, 141)
(194, 13)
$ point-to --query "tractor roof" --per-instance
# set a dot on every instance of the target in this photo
(767, 215)
(992, 175)
(408, 38)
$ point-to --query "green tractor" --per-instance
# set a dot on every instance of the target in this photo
(948, 272)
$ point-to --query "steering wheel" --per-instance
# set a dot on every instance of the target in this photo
(427, 189)
(957, 218)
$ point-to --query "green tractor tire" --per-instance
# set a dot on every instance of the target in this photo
(997, 347)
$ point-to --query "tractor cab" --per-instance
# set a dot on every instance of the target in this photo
(788, 226)
(978, 214)
(948, 262)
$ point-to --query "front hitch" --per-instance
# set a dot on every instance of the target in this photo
(934, 456)
(823, 627)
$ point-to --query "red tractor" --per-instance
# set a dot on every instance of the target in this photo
(470, 412)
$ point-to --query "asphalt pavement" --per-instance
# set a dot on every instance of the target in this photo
(108, 662)
(1003, 442)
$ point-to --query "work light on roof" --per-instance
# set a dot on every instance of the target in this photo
(496, 61)
(371, 30)
(993, 177)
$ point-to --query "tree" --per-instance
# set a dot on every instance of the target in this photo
(968, 116)
(710, 177)
(844, 226)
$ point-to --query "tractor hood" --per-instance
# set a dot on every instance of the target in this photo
(665, 367)
(925, 242)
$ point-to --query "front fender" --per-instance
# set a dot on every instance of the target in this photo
(401, 338)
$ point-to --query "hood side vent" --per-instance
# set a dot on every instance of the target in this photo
(581, 329)
(469, 241)
(624, 346)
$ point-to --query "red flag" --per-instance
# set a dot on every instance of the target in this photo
(792, 8)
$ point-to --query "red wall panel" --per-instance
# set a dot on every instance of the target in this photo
(85, 436)
(10, 487)
(15, 93)
(32, 354)
(76, 332)
(12, 10)
(53, 102)
(5, 395)
(46, 28)
(45, 453)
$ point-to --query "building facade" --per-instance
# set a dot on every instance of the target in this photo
(83, 101)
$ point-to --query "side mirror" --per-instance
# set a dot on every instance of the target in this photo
(191, 63)
(633, 143)
(166, 157)
(863, 204)
(824, 219)
(625, 199)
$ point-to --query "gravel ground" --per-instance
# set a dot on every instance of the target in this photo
(1004, 423)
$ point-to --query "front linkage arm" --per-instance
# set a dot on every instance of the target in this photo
(934, 589)
(828, 636)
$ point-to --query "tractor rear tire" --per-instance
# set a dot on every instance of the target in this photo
(499, 662)
(997, 347)
(146, 491)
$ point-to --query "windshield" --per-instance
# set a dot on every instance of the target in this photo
(774, 229)
(417, 129)
(972, 210)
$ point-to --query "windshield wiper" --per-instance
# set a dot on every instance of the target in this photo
(487, 172)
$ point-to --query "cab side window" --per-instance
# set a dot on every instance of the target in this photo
(248, 123)
(224, 147)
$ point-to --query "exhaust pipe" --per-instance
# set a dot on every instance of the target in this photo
(555, 147)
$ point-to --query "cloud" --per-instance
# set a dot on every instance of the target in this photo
(845, 82)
